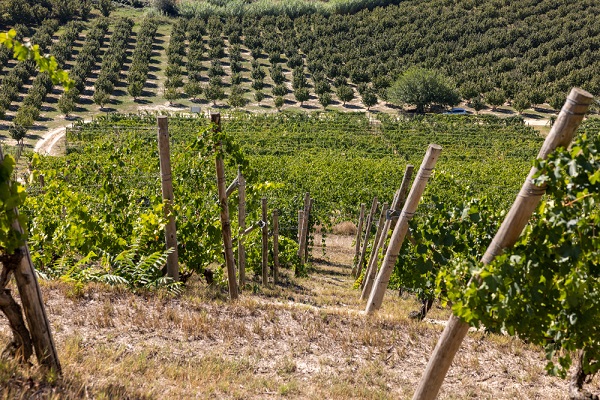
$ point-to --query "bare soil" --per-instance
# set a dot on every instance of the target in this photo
(304, 338)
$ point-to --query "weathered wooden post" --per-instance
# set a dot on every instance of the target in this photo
(390, 223)
(374, 250)
(527, 200)
(383, 277)
(361, 219)
(300, 220)
(265, 243)
(275, 246)
(33, 304)
(365, 243)
(303, 227)
(166, 181)
(242, 224)
(307, 223)
(225, 222)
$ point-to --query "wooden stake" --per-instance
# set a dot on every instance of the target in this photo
(363, 251)
(265, 243)
(371, 268)
(300, 220)
(166, 181)
(560, 135)
(33, 304)
(383, 277)
(307, 222)
(275, 247)
(242, 225)
(390, 223)
(304, 227)
(232, 187)
(361, 219)
(225, 222)
(300, 223)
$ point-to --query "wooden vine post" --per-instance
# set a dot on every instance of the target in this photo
(300, 219)
(361, 219)
(242, 224)
(225, 222)
(390, 223)
(265, 243)
(33, 304)
(307, 223)
(166, 182)
(391, 255)
(378, 234)
(303, 228)
(365, 242)
(527, 200)
(275, 246)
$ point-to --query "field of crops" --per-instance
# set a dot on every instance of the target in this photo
(344, 60)
(107, 188)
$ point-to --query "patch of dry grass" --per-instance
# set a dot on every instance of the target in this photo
(305, 338)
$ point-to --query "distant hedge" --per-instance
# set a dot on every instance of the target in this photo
(291, 8)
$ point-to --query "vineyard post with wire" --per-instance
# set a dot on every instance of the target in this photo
(307, 223)
(303, 227)
(225, 222)
(275, 246)
(359, 227)
(265, 243)
(31, 299)
(383, 277)
(242, 226)
(529, 196)
(365, 242)
(166, 180)
(374, 250)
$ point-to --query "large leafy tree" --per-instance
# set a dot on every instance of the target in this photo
(422, 88)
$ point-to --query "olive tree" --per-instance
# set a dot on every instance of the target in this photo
(422, 88)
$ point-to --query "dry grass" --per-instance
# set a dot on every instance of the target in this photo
(346, 228)
(303, 339)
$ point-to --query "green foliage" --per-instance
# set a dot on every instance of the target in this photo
(113, 61)
(495, 98)
(101, 97)
(214, 93)
(279, 102)
(17, 132)
(140, 60)
(545, 289)
(288, 252)
(193, 89)
(444, 230)
(13, 196)
(369, 98)
(259, 96)
(105, 7)
(521, 102)
(280, 90)
(106, 192)
(345, 93)
(66, 104)
(290, 8)
(167, 7)
(45, 63)
(236, 98)
(422, 88)
(128, 268)
(325, 99)
(301, 95)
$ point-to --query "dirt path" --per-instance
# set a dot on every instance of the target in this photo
(45, 146)
(305, 338)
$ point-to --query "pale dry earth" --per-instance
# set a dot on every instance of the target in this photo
(306, 338)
